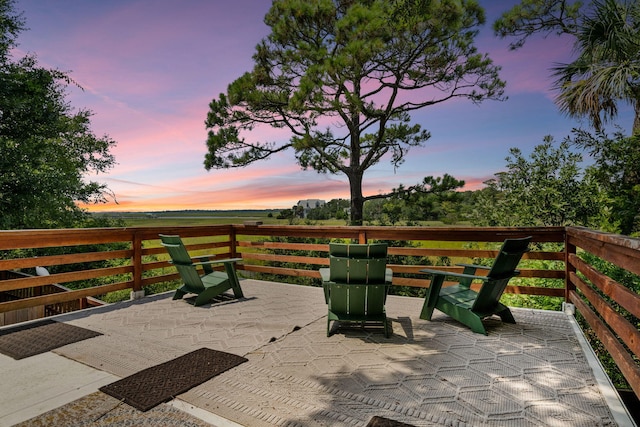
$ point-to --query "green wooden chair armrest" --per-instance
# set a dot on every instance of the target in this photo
(482, 267)
(202, 256)
(324, 274)
(452, 274)
(388, 276)
(217, 261)
(460, 275)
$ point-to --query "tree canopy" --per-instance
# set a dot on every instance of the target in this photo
(548, 189)
(604, 74)
(532, 17)
(47, 148)
(616, 160)
(607, 69)
(607, 45)
(342, 77)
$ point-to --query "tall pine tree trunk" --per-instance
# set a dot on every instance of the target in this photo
(357, 200)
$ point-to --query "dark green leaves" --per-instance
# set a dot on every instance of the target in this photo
(47, 149)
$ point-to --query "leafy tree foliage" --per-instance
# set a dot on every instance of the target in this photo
(607, 42)
(339, 76)
(336, 208)
(434, 199)
(286, 213)
(11, 24)
(607, 69)
(616, 171)
(531, 17)
(548, 189)
(47, 148)
(605, 73)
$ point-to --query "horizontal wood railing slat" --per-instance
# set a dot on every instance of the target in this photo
(628, 333)
(627, 299)
(60, 278)
(622, 358)
(622, 256)
(63, 296)
(46, 261)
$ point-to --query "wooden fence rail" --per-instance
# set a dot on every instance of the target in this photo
(139, 260)
(602, 301)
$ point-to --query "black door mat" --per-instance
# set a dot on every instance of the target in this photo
(152, 386)
(386, 422)
(39, 337)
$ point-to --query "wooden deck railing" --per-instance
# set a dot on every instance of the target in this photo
(141, 262)
(601, 300)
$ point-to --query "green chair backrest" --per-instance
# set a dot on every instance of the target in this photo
(508, 258)
(358, 250)
(503, 269)
(357, 263)
(181, 259)
(176, 249)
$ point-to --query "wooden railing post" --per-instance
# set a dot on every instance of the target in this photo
(137, 291)
(569, 249)
(233, 242)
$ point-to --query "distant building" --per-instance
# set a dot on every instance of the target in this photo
(306, 205)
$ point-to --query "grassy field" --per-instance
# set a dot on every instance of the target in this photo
(193, 218)
(154, 219)
(171, 218)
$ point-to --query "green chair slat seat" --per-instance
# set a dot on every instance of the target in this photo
(468, 306)
(208, 285)
(356, 284)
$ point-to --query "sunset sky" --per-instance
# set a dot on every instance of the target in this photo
(149, 69)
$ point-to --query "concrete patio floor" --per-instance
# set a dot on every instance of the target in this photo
(538, 372)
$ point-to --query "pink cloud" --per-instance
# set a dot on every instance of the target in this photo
(272, 191)
(475, 183)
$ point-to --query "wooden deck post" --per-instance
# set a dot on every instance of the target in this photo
(137, 291)
(569, 249)
(233, 242)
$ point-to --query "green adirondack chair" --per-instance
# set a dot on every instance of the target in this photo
(207, 286)
(356, 284)
(468, 306)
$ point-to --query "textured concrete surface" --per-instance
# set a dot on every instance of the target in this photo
(533, 373)
(44, 382)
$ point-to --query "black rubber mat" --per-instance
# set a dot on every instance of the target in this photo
(152, 386)
(39, 337)
(386, 422)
